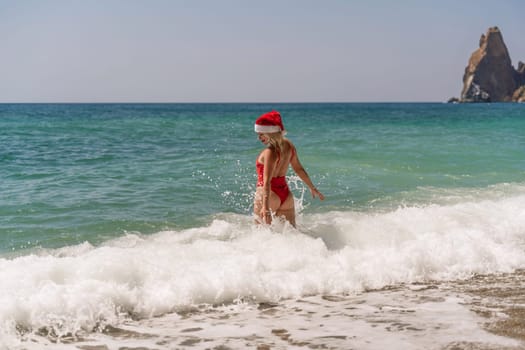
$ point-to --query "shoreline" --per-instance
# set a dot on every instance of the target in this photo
(501, 300)
(482, 313)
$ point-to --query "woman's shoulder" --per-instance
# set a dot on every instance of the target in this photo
(291, 146)
(289, 143)
(268, 152)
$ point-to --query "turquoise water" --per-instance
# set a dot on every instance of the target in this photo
(91, 172)
(123, 214)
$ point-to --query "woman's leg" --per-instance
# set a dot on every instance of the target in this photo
(275, 203)
(287, 209)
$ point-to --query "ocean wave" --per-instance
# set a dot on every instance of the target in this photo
(85, 287)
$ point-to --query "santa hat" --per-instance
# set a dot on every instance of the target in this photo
(269, 122)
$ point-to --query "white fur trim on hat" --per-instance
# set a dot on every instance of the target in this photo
(267, 128)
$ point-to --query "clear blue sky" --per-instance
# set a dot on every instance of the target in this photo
(244, 50)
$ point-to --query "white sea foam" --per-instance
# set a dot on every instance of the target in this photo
(85, 287)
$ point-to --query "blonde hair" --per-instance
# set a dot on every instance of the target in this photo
(277, 140)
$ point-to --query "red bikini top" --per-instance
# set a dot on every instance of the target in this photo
(259, 168)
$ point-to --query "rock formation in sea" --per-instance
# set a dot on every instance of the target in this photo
(490, 76)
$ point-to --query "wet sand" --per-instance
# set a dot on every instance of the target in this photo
(481, 313)
(500, 299)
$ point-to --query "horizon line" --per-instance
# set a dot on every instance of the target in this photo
(223, 102)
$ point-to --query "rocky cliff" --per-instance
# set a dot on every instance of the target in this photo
(490, 76)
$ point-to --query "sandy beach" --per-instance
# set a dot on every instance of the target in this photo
(500, 299)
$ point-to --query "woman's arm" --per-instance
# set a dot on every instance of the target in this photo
(303, 175)
(269, 161)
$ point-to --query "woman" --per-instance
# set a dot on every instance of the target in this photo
(272, 194)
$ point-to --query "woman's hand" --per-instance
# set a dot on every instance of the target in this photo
(316, 193)
(266, 216)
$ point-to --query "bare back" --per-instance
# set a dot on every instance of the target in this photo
(284, 158)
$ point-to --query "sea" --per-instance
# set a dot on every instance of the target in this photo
(130, 226)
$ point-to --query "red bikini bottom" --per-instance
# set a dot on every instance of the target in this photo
(279, 186)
